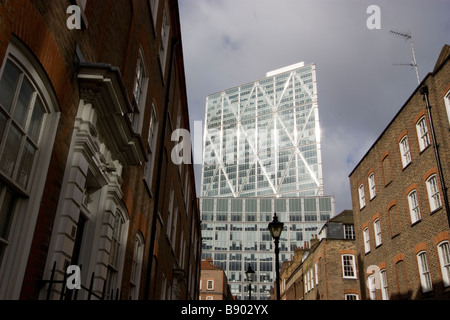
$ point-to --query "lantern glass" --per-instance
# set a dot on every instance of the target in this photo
(276, 227)
(250, 273)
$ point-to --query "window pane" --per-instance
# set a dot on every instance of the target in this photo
(414, 207)
(6, 207)
(8, 84)
(26, 164)
(34, 128)
(11, 151)
(348, 266)
(444, 260)
(23, 103)
(266, 205)
(2, 126)
(425, 272)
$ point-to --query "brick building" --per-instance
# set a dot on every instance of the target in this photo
(89, 97)
(213, 282)
(400, 200)
(326, 268)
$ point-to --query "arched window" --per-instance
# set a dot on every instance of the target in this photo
(116, 254)
(424, 270)
(414, 209)
(136, 268)
(444, 260)
(422, 133)
(404, 151)
(28, 120)
(434, 197)
(447, 104)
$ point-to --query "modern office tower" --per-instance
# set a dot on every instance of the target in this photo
(263, 138)
(262, 155)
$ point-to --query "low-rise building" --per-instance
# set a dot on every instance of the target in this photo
(213, 282)
(326, 268)
(400, 201)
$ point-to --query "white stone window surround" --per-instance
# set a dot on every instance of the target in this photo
(92, 187)
(27, 209)
(102, 143)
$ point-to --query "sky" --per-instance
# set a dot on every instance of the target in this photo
(227, 43)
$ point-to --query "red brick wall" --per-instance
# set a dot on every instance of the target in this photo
(116, 30)
(401, 239)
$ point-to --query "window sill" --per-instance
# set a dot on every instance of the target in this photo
(395, 235)
(424, 149)
(415, 223)
(428, 294)
(435, 210)
(406, 166)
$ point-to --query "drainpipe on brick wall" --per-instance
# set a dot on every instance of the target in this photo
(424, 91)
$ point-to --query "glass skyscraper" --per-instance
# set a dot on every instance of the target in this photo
(262, 155)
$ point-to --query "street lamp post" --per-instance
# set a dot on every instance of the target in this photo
(250, 277)
(275, 228)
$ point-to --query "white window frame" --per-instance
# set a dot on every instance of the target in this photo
(351, 296)
(165, 35)
(371, 287)
(316, 271)
(348, 264)
(414, 209)
(154, 4)
(447, 104)
(349, 231)
(140, 87)
(444, 261)
(405, 151)
(366, 238)
(377, 232)
(423, 133)
(136, 267)
(372, 186)
(384, 285)
(434, 196)
(210, 285)
(25, 211)
(362, 198)
(119, 234)
(151, 151)
(424, 271)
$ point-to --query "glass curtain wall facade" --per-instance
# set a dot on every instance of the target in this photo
(235, 234)
(263, 138)
(262, 155)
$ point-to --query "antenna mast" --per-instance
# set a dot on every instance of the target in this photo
(408, 36)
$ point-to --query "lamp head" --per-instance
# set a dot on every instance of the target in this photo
(250, 273)
(276, 227)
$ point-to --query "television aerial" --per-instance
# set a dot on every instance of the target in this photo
(407, 36)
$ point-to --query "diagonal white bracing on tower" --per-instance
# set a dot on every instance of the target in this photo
(244, 114)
